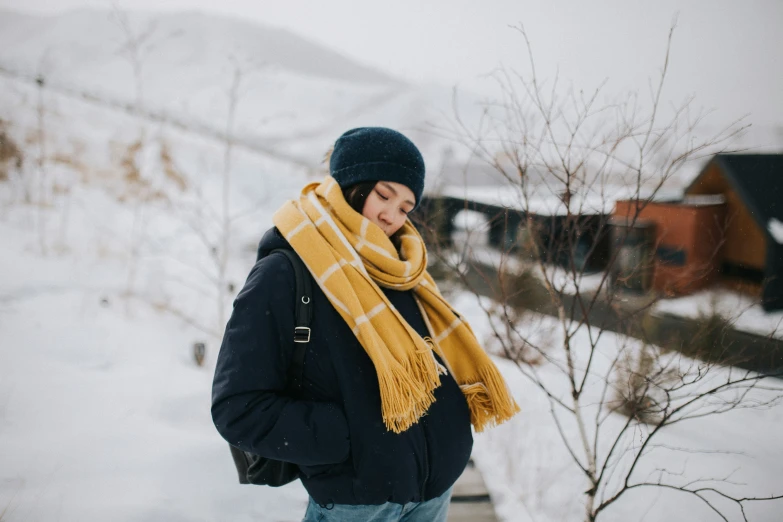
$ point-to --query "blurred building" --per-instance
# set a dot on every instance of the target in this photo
(675, 245)
(752, 185)
(728, 225)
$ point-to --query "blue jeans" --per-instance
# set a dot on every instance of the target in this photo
(434, 510)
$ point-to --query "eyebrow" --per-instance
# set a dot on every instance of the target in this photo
(389, 187)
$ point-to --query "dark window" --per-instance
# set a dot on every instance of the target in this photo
(738, 271)
(670, 255)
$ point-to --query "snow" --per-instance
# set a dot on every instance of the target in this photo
(775, 228)
(532, 478)
(295, 98)
(697, 200)
(471, 246)
(542, 200)
(744, 312)
(471, 220)
(104, 415)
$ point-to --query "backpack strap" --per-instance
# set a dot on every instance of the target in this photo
(304, 314)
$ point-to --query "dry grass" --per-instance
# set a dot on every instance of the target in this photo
(524, 291)
(170, 169)
(634, 386)
(11, 156)
(709, 342)
(136, 186)
(742, 286)
(130, 168)
(72, 158)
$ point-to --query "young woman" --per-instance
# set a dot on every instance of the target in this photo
(393, 377)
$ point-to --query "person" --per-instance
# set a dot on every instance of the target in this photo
(393, 377)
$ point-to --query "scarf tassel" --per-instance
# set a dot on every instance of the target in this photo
(489, 399)
(404, 399)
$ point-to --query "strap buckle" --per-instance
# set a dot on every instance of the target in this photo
(301, 334)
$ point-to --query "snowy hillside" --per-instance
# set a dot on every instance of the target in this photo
(111, 272)
(88, 42)
(104, 415)
(292, 94)
(208, 126)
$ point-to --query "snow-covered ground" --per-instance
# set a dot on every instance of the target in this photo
(471, 244)
(532, 478)
(775, 228)
(103, 413)
(744, 312)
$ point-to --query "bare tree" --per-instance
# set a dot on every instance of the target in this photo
(212, 223)
(137, 46)
(11, 156)
(221, 256)
(134, 49)
(44, 66)
(566, 159)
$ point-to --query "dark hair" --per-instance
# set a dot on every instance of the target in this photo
(356, 195)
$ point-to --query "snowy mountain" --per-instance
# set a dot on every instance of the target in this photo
(86, 42)
(292, 95)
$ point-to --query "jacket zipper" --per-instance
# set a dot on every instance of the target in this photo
(426, 465)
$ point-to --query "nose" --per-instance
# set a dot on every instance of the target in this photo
(383, 216)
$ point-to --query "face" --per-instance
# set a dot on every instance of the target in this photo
(388, 205)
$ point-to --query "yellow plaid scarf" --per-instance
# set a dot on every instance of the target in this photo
(350, 257)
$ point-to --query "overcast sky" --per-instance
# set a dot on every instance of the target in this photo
(726, 52)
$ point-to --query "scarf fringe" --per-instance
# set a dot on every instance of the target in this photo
(489, 400)
(403, 399)
(407, 392)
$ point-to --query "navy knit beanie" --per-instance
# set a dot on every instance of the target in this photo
(377, 154)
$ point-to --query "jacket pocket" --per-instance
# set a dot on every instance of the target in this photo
(328, 469)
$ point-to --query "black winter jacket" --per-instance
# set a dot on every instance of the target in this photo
(334, 431)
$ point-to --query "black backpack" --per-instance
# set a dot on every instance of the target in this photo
(254, 469)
